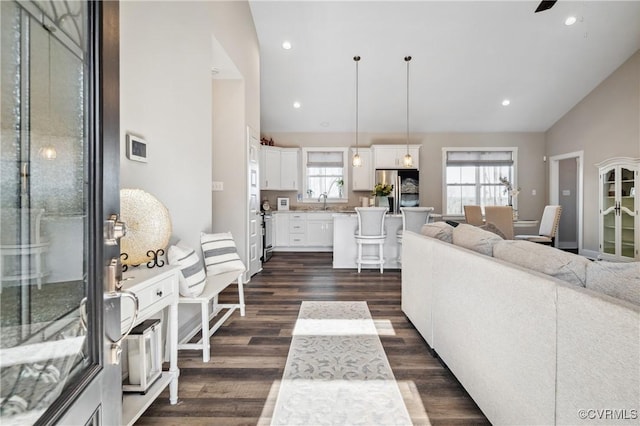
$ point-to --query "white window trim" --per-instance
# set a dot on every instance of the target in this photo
(513, 149)
(345, 173)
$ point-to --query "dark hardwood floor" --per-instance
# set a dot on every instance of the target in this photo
(248, 354)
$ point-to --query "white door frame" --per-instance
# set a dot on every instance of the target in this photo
(554, 183)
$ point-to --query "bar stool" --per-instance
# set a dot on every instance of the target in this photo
(370, 232)
(412, 220)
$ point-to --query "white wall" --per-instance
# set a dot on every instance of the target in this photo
(531, 167)
(605, 124)
(167, 50)
(165, 96)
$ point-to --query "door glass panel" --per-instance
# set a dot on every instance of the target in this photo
(43, 318)
(627, 218)
(608, 212)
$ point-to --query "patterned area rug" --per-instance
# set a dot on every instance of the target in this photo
(337, 372)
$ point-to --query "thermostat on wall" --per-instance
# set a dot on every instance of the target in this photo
(283, 203)
(136, 148)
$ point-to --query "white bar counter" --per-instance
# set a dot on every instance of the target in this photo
(345, 249)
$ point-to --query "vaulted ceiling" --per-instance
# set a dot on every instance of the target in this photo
(467, 58)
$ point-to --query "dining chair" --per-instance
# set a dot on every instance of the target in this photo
(371, 232)
(502, 218)
(473, 215)
(548, 226)
(23, 248)
(412, 220)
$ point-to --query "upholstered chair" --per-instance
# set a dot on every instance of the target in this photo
(370, 232)
(502, 218)
(473, 215)
(548, 227)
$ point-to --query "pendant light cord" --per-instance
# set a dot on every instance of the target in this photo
(407, 59)
(357, 59)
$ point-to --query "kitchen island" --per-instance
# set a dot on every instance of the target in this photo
(345, 249)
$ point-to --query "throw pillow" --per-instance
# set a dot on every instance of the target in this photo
(491, 227)
(474, 238)
(560, 264)
(193, 278)
(220, 254)
(439, 230)
(619, 280)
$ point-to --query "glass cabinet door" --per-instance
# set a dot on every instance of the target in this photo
(627, 212)
(609, 212)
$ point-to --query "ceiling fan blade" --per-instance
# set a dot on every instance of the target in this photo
(544, 5)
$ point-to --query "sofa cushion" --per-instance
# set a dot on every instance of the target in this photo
(491, 227)
(440, 230)
(193, 277)
(220, 253)
(565, 266)
(474, 238)
(620, 280)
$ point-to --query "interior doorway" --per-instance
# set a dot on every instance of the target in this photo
(566, 183)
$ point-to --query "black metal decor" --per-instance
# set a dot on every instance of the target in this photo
(156, 260)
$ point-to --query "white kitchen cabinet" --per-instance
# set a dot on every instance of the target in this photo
(303, 231)
(362, 177)
(319, 229)
(270, 166)
(279, 168)
(618, 210)
(289, 170)
(392, 156)
(281, 228)
(297, 229)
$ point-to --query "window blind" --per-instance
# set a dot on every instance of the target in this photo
(480, 158)
(325, 159)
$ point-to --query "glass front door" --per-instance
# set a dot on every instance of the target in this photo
(50, 295)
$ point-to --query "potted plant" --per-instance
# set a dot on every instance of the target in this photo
(381, 192)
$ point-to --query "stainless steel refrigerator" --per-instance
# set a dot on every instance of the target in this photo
(406, 187)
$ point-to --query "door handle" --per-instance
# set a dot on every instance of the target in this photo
(114, 229)
(113, 291)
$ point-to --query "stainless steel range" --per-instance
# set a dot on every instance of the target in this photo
(267, 236)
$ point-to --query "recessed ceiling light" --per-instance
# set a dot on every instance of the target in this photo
(570, 20)
(296, 105)
(505, 102)
(286, 45)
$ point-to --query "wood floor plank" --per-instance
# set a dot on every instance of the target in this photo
(248, 354)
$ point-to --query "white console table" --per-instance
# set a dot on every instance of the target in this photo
(156, 290)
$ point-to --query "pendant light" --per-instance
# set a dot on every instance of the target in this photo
(356, 161)
(408, 161)
(47, 150)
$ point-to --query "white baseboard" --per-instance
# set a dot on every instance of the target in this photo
(591, 254)
(567, 244)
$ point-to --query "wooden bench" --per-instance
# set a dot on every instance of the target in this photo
(209, 299)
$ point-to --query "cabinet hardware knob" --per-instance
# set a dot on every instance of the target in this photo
(159, 293)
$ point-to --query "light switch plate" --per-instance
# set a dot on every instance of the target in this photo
(217, 186)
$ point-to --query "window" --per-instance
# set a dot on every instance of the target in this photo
(473, 177)
(325, 173)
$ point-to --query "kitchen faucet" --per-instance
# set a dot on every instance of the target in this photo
(324, 205)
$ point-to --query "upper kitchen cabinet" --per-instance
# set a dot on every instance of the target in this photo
(279, 168)
(392, 156)
(362, 177)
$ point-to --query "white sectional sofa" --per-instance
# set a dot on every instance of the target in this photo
(528, 347)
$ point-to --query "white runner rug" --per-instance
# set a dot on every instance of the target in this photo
(337, 372)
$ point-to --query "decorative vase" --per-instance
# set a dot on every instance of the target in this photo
(382, 201)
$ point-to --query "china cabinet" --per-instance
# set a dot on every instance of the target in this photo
(618, 210)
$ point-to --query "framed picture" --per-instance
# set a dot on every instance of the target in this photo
(136, 148)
